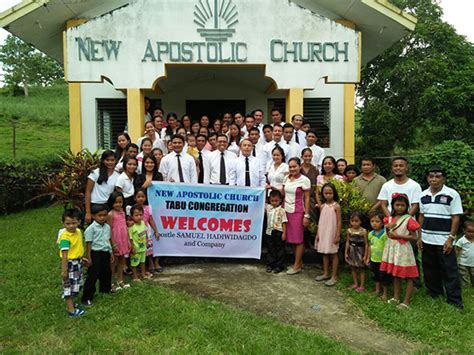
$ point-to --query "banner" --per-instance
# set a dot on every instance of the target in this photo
(207, 220)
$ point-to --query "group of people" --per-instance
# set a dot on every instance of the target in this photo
(284, 159)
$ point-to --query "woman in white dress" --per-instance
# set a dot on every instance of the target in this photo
(277, 170)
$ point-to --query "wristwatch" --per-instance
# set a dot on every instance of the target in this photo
(306, 216)
(451, 237)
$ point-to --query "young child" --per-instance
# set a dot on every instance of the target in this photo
(398, 259)
(137, 234)
(356, 250)
(465, 253)
(377, 239)
(152, 231)
(71, 253)
(124, 183)
(276, 233)
(192, 149)
(350, 173)
(329, 233)
(120, 243)
(99, 252)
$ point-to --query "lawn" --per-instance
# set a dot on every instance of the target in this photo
(142, 319)
(43, 123)
(431, 322)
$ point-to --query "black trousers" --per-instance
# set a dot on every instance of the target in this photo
(276, 250)
(441, 273)
(99, 270)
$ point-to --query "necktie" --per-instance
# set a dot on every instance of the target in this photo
(253, 152)
(297, 139)
(276, 145)
(222, 178)
(247, 172)
(180, 169)
(201, 169)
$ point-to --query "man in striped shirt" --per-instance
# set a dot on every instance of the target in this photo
(440, 212)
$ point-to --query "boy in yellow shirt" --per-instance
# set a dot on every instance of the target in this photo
(71, 251)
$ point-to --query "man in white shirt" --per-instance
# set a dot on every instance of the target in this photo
(277, 118)
(249, 123)
(318, 152)
(246, 170)
(440, 215)
(293, 148)
(178, 166)
(203, 159)
(220, 162)
(258, 117)
(299, 135)
(267, 148)
(401, 183)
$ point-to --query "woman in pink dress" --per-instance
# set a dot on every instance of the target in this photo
(296, 188)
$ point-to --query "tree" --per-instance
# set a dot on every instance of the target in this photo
(419, 92)
(25, 66)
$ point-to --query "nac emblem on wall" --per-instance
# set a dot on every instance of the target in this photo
(216, 19)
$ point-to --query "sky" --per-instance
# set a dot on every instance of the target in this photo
(458, 13)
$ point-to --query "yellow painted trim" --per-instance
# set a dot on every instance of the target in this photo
(349, 123)
(75, 114)
(19, 10)
(75, 117)
(360, 57)
(135, 113)
(294, 103)
(391, 11)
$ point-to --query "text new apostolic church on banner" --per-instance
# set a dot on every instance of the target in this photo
(207, 220)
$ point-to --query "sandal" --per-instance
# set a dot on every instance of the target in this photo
(330, 282)
(393, 301)
(360, 289)
(122, 284)
(353, 287)
(322, 278)
(159, 269)
(403, 306)
(76, 313)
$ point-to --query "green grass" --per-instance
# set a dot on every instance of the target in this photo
(431, 322)
(142, 319)
(43, 125)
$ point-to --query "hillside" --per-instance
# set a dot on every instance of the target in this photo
(43, 123)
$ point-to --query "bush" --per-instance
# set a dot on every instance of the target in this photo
(22, 179)
(456, 158)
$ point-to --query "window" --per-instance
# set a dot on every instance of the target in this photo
(317, 111)
(111, 120)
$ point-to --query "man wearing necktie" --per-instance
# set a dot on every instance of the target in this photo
(203, 159)
(277, 141)
(246, 170)
(293, 149)
(220, 162)
(299, 136)
(178, 166)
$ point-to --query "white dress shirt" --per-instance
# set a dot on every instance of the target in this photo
(169, 167)
(276, 176)
(293, 150)
(237, 172)
(268, 147)
(301, 138)
(215, 166)
(318, 156)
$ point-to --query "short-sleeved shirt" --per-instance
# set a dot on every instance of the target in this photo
(377, 244)
(101, 192)
(99, 237)
(72, 242)
(137, 235)
(411, 188)
(438, 210)
(294, 193)
(126, 184)
(276, 216)
(370, 188)
(466, 257)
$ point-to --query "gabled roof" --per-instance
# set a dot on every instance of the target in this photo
(42, 22)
